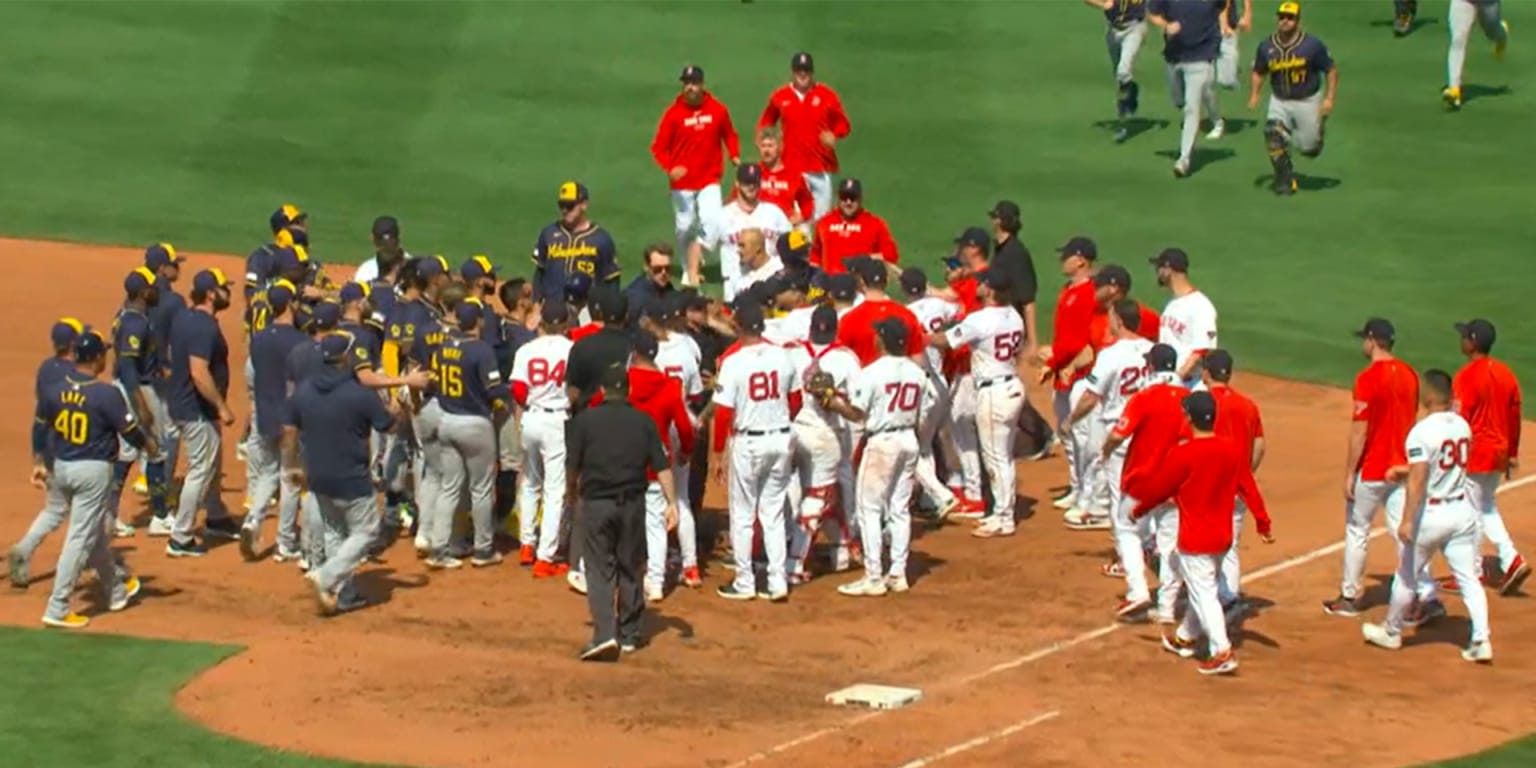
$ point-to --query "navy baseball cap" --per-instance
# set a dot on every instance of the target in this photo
(1219, 363)
(386, 228)
(749, 173)
(802, 62)
(161, 255)
(1080, 246)
(65, 332)
(326, 315)
(850, 189)
(974, 236)
(893, 333)
(577, 286)
(1201, 409)
(874, 272)
(692, 73)
(914, 281)
(609, 304)
(823, 324)
(335, 346)
(139, 279)
(554, 313)
(794, 247)
(1378, 328)
(749, 317)
(478, 266)
(842, 286)
(1162, 358)
(571, 193)
(1173, 258)
(993, 278)
(644, 344)
(280, 294)
(90, 345)
(468, 310)
(1480, 332)
(798, 280)
(286, 215)
(209, 280)
(354, 291)
(292, 259)
(432, 266)
(1114, 274)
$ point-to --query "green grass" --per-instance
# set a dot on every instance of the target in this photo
(105, 701)
(135, 121)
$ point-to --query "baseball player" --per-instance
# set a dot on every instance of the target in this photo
(307, 361)
(995, 335)
(722, 233)
(1297, 65)
(1240, 423)
(1153, 423)
(388, 254)
(538, 388)
(1189, 318)
(782, 185)
(1119, 371)
(1227, 59)
(469, 390)
(888, 396)
(271, 347)
(851, 230)
(1386, 401)
(813, 121)
(439, 501)
(661, 397)
(1127, 21)
(758, 266)
(1487, 14)
(1192, 35)
(1438, 515)
(934, 314)
(687, 147)
(137, 370)
(1206, 477)
(416, 312)
(163, 260)
(757, 396)
(1402, 19)
(1069, 337)
(822, 446)
(85, 418)
(678, 356)
(1488, 397)
(572, 244)
(52, 370)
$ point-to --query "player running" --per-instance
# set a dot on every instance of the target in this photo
(813, 121)
(1127, 21)
(687, 147)
(722, 234)
(1192, 34)
(1488, 14)
(1297, 65)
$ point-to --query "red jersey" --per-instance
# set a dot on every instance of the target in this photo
(1069, 332)
(1387, 400)
(582, 331)
(838, 237)
(958, 361)
(1205, 477)
(1488, 396)
(1154, 422)
(803, 118)
(691, 137)
(1237, 419)
(856, 330)
(661, 397)
(787, 190)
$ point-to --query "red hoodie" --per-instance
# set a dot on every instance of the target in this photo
(691, 137)
(661, 397)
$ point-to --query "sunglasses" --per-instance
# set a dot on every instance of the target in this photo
(1286, 16)
(661, 269)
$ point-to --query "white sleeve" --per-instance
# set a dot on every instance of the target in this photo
(861, 391)
(1102, 378)
(792, 383)
(520, 366)
(930, 397)
(1419, 447)
(725, 386)
(693, 383)
(1202, 333)
(367, 271)
(967, 332)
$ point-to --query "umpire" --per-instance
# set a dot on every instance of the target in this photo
(609, 449)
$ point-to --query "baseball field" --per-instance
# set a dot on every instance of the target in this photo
(130, 122)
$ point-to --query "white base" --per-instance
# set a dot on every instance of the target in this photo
(874, 696)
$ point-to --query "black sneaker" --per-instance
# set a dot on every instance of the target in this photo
(192, 548)
(221, 528)
(607, 650)
(730, 592)
(1341, 606)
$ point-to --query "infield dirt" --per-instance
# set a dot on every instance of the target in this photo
(477, 668)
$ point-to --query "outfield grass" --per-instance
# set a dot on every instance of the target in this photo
(134, 121)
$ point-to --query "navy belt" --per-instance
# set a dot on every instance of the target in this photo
(762, 432)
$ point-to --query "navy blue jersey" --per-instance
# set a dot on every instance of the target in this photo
(304, 362)
(366, 344)
(412, 321)
(560, 253)
(468, 379)
(84, 416)
(162, 317)
(260, 268)
(336, 416)
(51, 371)
(1297, 70)
(1199, 37)
(270, 349)
(137, 355)
(1125, 12)
(516, 335)
(196, 334)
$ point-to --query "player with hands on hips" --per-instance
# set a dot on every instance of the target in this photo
(1438, 516)
(1298, 65)
(888, 397)
(757, 396)
(995, 335)
(1204, 477)
(821, 446)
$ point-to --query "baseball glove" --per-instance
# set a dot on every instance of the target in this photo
(821, 386)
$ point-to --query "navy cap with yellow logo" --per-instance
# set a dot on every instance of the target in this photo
(571, 193)
(160, 255)
(137, 280)
(65, 332)
(210, 279)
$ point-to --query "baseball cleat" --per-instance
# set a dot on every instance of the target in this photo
(730, 592)
(131, 588)
(544, 569)
(141, 486)
(946, 509)
(1178, 646)
(897, 584)
(691, 577)
(1224, 663)
(970, 509)
(1083, 520)
(1452, 97)
(1218, 129)
(865, 587)
(250, 542)
(1341, 606)
(993, 529)
(1161, 617)
(1065, 501)
(1514, 576)
(69, 620)
(1481, 653)
(221, 528)
(325, 602)
(525, 555)
(1181, 169)
(192, 548)
(485, 560)
(160, 526)
(1423, 613)
(577, 581)
(1112, 570)
(1402, 25)
(285, 555)
(1122, 135)
(444, 563)
(1381, 637)
(1500, 46)
(423, 547)
(1133, 610)
(122, 530)
(774, 597)
(654, 594)
(607, 650)
(19, 566)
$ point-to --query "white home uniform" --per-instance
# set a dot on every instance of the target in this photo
(821, 448)
(755, 381)
(892, 392)
(1119, 372)
(752, 277)
(721, 233)
(368, 271)
(995, 336)
(1447, 523)
(796, 325)
(540, 366)
(933, 315)
(678, 356)
(1189, 326)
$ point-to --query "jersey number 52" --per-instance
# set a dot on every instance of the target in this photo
(1005, 346)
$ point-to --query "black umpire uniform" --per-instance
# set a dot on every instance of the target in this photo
(610, 448)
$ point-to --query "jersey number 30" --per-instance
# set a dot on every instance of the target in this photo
(1454, 453)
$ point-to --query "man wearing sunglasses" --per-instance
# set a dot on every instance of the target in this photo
(654, 284)
(1297, 65)
(573, 244)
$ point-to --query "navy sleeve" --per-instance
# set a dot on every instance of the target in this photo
(607, 257)
(540, 259)
(1261, 61)
(378, 416)
(201, 341)
(40, 428)
(1322, 59)
(293, 411)
(114, 408)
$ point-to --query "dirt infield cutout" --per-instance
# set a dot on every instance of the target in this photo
(1010, 640)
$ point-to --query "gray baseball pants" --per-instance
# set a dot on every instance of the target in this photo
(1488, 14)
(469, 458)
(348, 528)
(1189, 83)
(82, 486)
(203, 484)
(1123, 45)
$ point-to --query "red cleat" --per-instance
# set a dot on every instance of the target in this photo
(1514, 576)
(525, 555)
(543, 569)
(691, 577)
